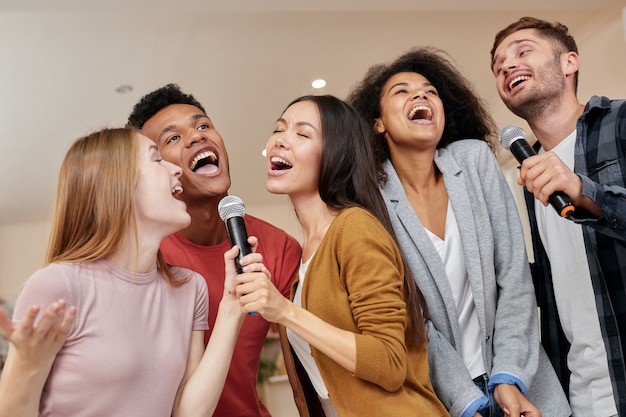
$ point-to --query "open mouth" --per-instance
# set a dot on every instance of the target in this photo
(420, 112)
(279, 164)
(518, 80)
(204, 163)
(177, 190)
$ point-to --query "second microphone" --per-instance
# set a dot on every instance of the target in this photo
(513, 138)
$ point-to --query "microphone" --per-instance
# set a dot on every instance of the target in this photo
(231, 211)
(513, 138)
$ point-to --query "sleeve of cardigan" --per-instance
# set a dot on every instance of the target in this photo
(372, 271)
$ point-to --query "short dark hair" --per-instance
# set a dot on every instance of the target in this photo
(465, 113)
(554, 31)
(153, 102)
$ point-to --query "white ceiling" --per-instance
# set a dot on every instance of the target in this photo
(61, 62)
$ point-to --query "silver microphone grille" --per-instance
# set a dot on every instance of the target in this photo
(510, 134)
(230, 206)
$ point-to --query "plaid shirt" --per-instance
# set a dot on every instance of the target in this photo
(600, 161)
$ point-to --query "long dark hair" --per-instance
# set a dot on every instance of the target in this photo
(348, 180)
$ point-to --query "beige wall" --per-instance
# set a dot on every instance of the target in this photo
(280, 214)
(22, 251)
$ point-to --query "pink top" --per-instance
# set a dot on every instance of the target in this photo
(127, 349)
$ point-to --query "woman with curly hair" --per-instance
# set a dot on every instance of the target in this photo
(459, 230)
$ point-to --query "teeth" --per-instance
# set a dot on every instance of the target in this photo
(207, 154)
(429, 112)
(517, 80)
(279, 160)
(177, 190)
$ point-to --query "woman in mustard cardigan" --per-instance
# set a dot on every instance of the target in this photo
(353, 337)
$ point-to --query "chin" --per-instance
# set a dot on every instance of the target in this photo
(182, 220)
(273, 189)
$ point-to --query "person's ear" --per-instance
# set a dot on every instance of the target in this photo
(379, 127)
(569, 63)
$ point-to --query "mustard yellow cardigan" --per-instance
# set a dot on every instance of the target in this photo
(355, 282)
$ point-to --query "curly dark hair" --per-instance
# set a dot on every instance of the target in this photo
(556, 32)
(153, 102)
(465, 113)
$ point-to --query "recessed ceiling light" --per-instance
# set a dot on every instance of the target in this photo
(124, 88)
(264, 153)
(319, 83)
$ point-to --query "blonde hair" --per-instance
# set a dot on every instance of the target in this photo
(95, 204)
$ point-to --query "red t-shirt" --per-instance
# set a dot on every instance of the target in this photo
(281, 254)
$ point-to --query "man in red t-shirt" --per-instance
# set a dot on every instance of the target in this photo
(186, 136)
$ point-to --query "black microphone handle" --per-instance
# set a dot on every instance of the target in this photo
(561, 203)
(559, 200)
(521, 150)
(238, 235)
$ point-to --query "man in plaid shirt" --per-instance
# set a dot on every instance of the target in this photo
(580, 261)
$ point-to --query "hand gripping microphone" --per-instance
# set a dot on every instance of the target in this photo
(231, 211)
(513, 138)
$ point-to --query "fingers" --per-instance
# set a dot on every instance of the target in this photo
(250, 259)
(51, 319)
(250, 282)
(254, 242)
(66, 323)
(546, 174)
(48, 334)
(230, 270)
(513, 402)
(231, 254)
(6, 325)
(254, 263)
(28, 321)
(250, 263)
(257, 293)
(54, 325)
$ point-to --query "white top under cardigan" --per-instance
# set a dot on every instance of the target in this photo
(301, 347)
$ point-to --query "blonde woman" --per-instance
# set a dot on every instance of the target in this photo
(123, 332)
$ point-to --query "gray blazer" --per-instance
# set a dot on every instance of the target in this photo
(499, 276)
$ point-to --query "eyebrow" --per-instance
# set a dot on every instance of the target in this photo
(173, 126)
(405, 84)
(515, 42)
(280, 119)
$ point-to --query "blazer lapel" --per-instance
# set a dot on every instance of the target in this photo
(460, 200)
(421, 255)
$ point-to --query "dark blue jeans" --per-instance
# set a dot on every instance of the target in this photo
(494, 409)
